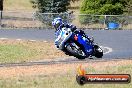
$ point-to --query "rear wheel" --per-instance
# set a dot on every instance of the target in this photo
(74, 50)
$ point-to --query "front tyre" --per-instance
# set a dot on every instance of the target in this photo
(76, 51)
(98, 52)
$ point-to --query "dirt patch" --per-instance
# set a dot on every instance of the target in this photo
(7, 72)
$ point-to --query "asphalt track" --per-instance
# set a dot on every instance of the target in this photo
(116, 43)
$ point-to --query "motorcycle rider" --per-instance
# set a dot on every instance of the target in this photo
(59, 24)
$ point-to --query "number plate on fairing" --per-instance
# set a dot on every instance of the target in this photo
(61, 40)
(63, 36)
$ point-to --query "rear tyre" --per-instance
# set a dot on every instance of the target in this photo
(74, 50)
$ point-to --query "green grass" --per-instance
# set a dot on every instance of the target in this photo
(12, 51)
(63, 81)
(15, 53)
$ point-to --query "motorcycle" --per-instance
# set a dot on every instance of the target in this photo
(76, 44)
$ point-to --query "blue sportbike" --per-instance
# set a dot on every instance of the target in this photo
(76, 44)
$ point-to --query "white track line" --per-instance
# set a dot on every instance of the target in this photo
(3, 38)
(108, 48)
(45, 41)
(18, 39)
(32, 40)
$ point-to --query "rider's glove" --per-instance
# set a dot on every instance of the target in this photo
(73, 28)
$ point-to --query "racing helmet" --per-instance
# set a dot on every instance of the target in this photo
(57, 22)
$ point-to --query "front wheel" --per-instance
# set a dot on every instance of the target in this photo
(74, 50)
(98, 52)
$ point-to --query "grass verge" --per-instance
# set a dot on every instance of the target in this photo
(67, 79)
(12, 51)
